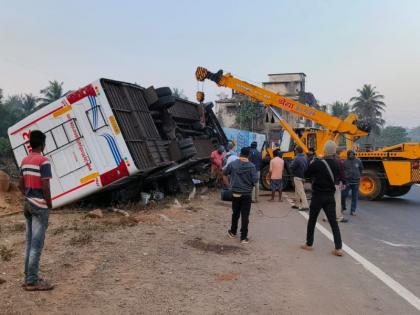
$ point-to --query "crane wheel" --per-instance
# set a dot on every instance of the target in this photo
(372, 187)
(265, 178)
(266, 181)
(397, 191)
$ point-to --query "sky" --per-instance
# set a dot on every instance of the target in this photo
(339, 45)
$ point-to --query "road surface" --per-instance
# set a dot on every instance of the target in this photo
(387, 233)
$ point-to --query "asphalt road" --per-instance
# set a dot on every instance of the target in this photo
(387, 233)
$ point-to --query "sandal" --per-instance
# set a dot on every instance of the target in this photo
(337, 252)
(41, 285)
(307, 247)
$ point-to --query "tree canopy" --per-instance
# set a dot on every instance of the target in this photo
(15, 107)
(340, 109)
(369, 105)
(51, 93)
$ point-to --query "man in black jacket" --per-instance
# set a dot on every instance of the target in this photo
(324, 174)
(243, 177)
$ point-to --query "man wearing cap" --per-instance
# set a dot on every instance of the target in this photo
(243, 177)
(255, 158)
(353, 169)
(324, 173)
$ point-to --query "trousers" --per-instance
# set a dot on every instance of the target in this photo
(338, 210)
(256, 189)
(241, 207)
(300, 196)
(36, 227)
(327, 203)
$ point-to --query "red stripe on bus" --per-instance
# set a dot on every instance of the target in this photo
(34, 121)
(73, 189)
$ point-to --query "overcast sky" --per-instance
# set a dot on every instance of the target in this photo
(340, 45)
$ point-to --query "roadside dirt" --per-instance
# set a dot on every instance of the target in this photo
(162, 261)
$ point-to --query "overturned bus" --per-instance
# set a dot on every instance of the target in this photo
(111, 133)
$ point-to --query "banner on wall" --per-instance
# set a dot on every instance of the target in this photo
(243, 138)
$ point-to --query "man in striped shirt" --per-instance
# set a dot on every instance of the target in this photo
(35, 185)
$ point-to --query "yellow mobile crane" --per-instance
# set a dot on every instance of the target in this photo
(390, 171)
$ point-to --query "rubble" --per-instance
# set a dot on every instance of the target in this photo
(123, 212)
(95, 214)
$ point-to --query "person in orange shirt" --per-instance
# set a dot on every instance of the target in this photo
(276, 174)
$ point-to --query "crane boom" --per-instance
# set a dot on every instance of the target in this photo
(269, 98)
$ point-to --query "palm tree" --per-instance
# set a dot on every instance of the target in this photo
(29, 103)
(340, 109)
(51, 93)
(369, 106)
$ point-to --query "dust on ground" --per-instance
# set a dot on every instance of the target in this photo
(156, 261)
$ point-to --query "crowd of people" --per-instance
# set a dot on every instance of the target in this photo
(331, 180)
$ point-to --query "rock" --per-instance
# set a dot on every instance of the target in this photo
(4, 182)
(165, 218)
(95, 214)
(123, 212)
(192, 194)
(204, 197)
(177, 204)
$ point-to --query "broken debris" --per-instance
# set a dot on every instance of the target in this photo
(96, 214)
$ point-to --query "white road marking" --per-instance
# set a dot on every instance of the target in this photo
(397, 244)
(376, 271)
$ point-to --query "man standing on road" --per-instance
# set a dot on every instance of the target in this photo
(276, 174)
(34, 183)
(243, 177)
(353, 169)
(216, 158)
(298, 168)
(324, 173)
(255, 158)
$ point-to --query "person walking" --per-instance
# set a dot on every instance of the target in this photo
(255, 158)
(298, 168)
(276, 174)
(353, 169)
(324, 173)
(243, 177)
(34, 183)
(216, 158)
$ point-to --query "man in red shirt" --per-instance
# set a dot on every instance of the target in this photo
(35, 185)
(216, 158)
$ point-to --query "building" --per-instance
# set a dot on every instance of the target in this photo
(291, 85)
